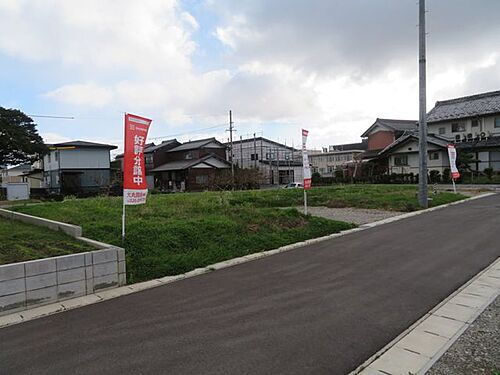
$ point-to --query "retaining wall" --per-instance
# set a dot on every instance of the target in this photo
(25, 285)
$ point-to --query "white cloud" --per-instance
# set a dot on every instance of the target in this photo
(84, 94)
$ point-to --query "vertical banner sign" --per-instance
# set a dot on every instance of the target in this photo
(305, 161)
(452, 153)
(135, 187)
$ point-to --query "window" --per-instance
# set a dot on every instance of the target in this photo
(434, 156)
(497, 122)
(189, 155)
(400, 160)
(442, 131)
(254, 156)
(149, 159)
(457, 127)
(50, 153)
(56, 155)
(475, 123)
(202, 179)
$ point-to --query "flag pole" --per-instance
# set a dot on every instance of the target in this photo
(305, 201)
(123, 219)
(123, 179)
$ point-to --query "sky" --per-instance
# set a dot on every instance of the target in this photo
(329, 66)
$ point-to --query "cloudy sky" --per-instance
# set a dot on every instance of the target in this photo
(331, 66)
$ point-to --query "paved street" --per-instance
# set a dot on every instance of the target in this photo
(321, 309)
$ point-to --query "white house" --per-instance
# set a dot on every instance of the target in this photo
(77, 167)
(337, 158)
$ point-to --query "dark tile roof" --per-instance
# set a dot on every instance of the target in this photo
(393, 124)
(83, 144)
(349, 146)
(185, 164)
(432, 139)
(152, 147)
(467, 106)
(258, 139)
(193, 145)
(483, 143)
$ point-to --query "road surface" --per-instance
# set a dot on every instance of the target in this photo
(321, 309)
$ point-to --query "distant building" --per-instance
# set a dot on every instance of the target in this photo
(189, 166)
(276, 162)
(339, 157)
(77, 167)
(30, 173)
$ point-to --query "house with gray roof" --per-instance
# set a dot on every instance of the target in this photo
(191, 166)
(472, 123)
(77, 167)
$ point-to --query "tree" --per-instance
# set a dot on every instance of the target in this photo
(19, 139)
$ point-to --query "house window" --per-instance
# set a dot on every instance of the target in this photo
(149, 159)
(400, 160)
(434, 156)
(475, 123)
(189, 155)
(442, 131)
(457, 127)
(497, 122)
(56, 155)
(254, 156)
(50, 153)
(202, 179)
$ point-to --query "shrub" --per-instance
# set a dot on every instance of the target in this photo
(434, 177)
(489, 173)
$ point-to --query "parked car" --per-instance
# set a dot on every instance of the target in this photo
(294, 185)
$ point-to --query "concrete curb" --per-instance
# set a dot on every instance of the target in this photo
(416, 349)
(26, 315)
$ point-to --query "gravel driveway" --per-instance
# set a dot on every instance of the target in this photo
(477, 351)
(350, 215)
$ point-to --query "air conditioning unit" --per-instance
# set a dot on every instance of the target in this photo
(483, 135)
(469, 137)
(457, 138)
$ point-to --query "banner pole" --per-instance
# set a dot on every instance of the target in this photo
(305, 202)
(123, 219)
(454, 186)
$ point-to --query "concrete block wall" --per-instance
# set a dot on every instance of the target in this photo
(30, 284)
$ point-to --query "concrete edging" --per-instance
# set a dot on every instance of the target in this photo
(128, 289)
(416, 349)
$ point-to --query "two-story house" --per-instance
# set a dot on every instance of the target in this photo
(190, 166)
(472, 123)
(77, 167)
(277, 163)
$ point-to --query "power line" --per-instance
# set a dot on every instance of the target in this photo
(55, 117)
(191, 131)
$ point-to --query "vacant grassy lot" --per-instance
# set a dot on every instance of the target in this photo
(176, 233)
(20, 242)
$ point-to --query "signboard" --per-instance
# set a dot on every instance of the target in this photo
(135, 187)
(305, 161)
(452, 154)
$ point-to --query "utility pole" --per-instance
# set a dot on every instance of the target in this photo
(231, 143)
(422, 128)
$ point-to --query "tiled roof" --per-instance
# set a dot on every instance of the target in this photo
(393, 124)
(432, 139)
(349, 146)
(467, 106)
(196, 144)
(185, 164)
(83, 144)
(153, 147)
(488, 142)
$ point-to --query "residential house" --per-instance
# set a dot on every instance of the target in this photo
(277, 163)
(154, 156)
(190, 166)
(473, 124)
(338, 157)
(77, 167)
(403, 154)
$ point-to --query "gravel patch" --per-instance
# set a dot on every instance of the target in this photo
(350, 215)
(477, 351)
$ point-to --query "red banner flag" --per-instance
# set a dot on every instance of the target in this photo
(135, 187)
(305, 161)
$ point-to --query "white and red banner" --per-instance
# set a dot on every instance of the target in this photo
(452, 154)
(305, 161)
(135, 187)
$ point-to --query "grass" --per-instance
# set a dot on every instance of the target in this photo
(21, 242)
(176, 233)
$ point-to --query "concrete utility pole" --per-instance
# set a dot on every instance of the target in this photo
(422, 129)
(231, 144)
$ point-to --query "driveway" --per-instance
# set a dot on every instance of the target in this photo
(320, 309)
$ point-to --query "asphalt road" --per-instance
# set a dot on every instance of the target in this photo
(321, 309)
